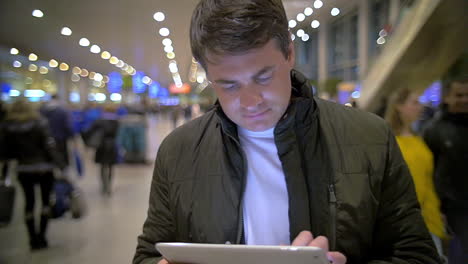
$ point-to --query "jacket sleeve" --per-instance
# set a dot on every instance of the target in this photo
(159, 224)
(50, 144)
(400, 234)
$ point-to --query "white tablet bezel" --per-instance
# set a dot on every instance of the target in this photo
(193, 253)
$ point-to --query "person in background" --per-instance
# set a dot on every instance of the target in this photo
(26, 138)
(104, 132)
(271, 164)
(60, 124)
(403, 110)
(447, 137)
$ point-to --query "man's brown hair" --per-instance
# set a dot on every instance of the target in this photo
(237, 26)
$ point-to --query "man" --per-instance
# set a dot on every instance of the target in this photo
(60, 126)
(446, 136)
(271, 164)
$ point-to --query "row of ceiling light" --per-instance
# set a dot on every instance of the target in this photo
(308, 11)
(98, 79)
(169, 49)
(84, 42)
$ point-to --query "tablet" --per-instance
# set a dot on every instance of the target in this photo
(191, 253)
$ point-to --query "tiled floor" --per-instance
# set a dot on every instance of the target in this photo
(108, 233)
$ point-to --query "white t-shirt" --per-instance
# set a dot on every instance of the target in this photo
(265, 207)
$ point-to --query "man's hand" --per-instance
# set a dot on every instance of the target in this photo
(306, 239)
(163, 261)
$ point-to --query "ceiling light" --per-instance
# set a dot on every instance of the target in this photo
(53, 63)
(91, 75)
(32, 67)
(76, 70)
(335, 11)
(159, 16)
(305, 37)
(300, 17)
(37, 13)
(168, 49)
(300, 33)
(308, 11)
(66, 31)
(381, 40)
(17, 64)
(46, 83)
(120, 64)
(293, 37)
(84, 73)
(105, 55)
(125, 67)
(200, 79)
(32, 57)
(173, 67)
(167, 42)
(64, 66)
(43, 70)
(14, 51)
(315, 24)
(164, 32)
(146, 80)
(318, 4)
(84, 42)
(98, 77)
(292, 23)
(95, 49)
(133, 72)
(105, 79)
(28, 80)
(170, 55)
(113, 60)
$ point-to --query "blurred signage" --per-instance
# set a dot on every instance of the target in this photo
(115, 82)
(184, 89)
(138, 85)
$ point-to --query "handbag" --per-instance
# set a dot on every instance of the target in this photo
(60, 199)
(7, 203)
(78, 207)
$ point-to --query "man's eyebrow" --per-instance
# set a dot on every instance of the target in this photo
(263, 71)
(256, 75)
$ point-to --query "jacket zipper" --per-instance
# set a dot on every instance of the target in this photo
(331, 190)
(240, 223)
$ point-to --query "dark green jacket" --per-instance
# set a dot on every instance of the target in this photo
(345, 177)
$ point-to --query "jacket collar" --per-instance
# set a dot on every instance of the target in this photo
(297, 113)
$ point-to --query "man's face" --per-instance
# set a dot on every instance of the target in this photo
(457, 98)
(253, 88)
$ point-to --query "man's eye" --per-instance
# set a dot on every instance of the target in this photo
(264, 80)
(230, 86)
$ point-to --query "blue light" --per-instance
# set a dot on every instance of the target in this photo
(14, 93)
(34, 93)
(356, 94)
(154, 90)
(115, 82)
(6, 88)
(74, 97)
(163, 92)
(138, 85)
(432, 94)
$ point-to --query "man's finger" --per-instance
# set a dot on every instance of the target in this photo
(163, 261)
(303, 239)
(320, 242)
(336, 257)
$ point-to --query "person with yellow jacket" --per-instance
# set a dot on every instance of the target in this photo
(402, 111)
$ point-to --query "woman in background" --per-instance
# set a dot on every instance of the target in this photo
(27, 139)
(402, 111)
(105, 132)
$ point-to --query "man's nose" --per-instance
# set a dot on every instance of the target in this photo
(250, 98)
